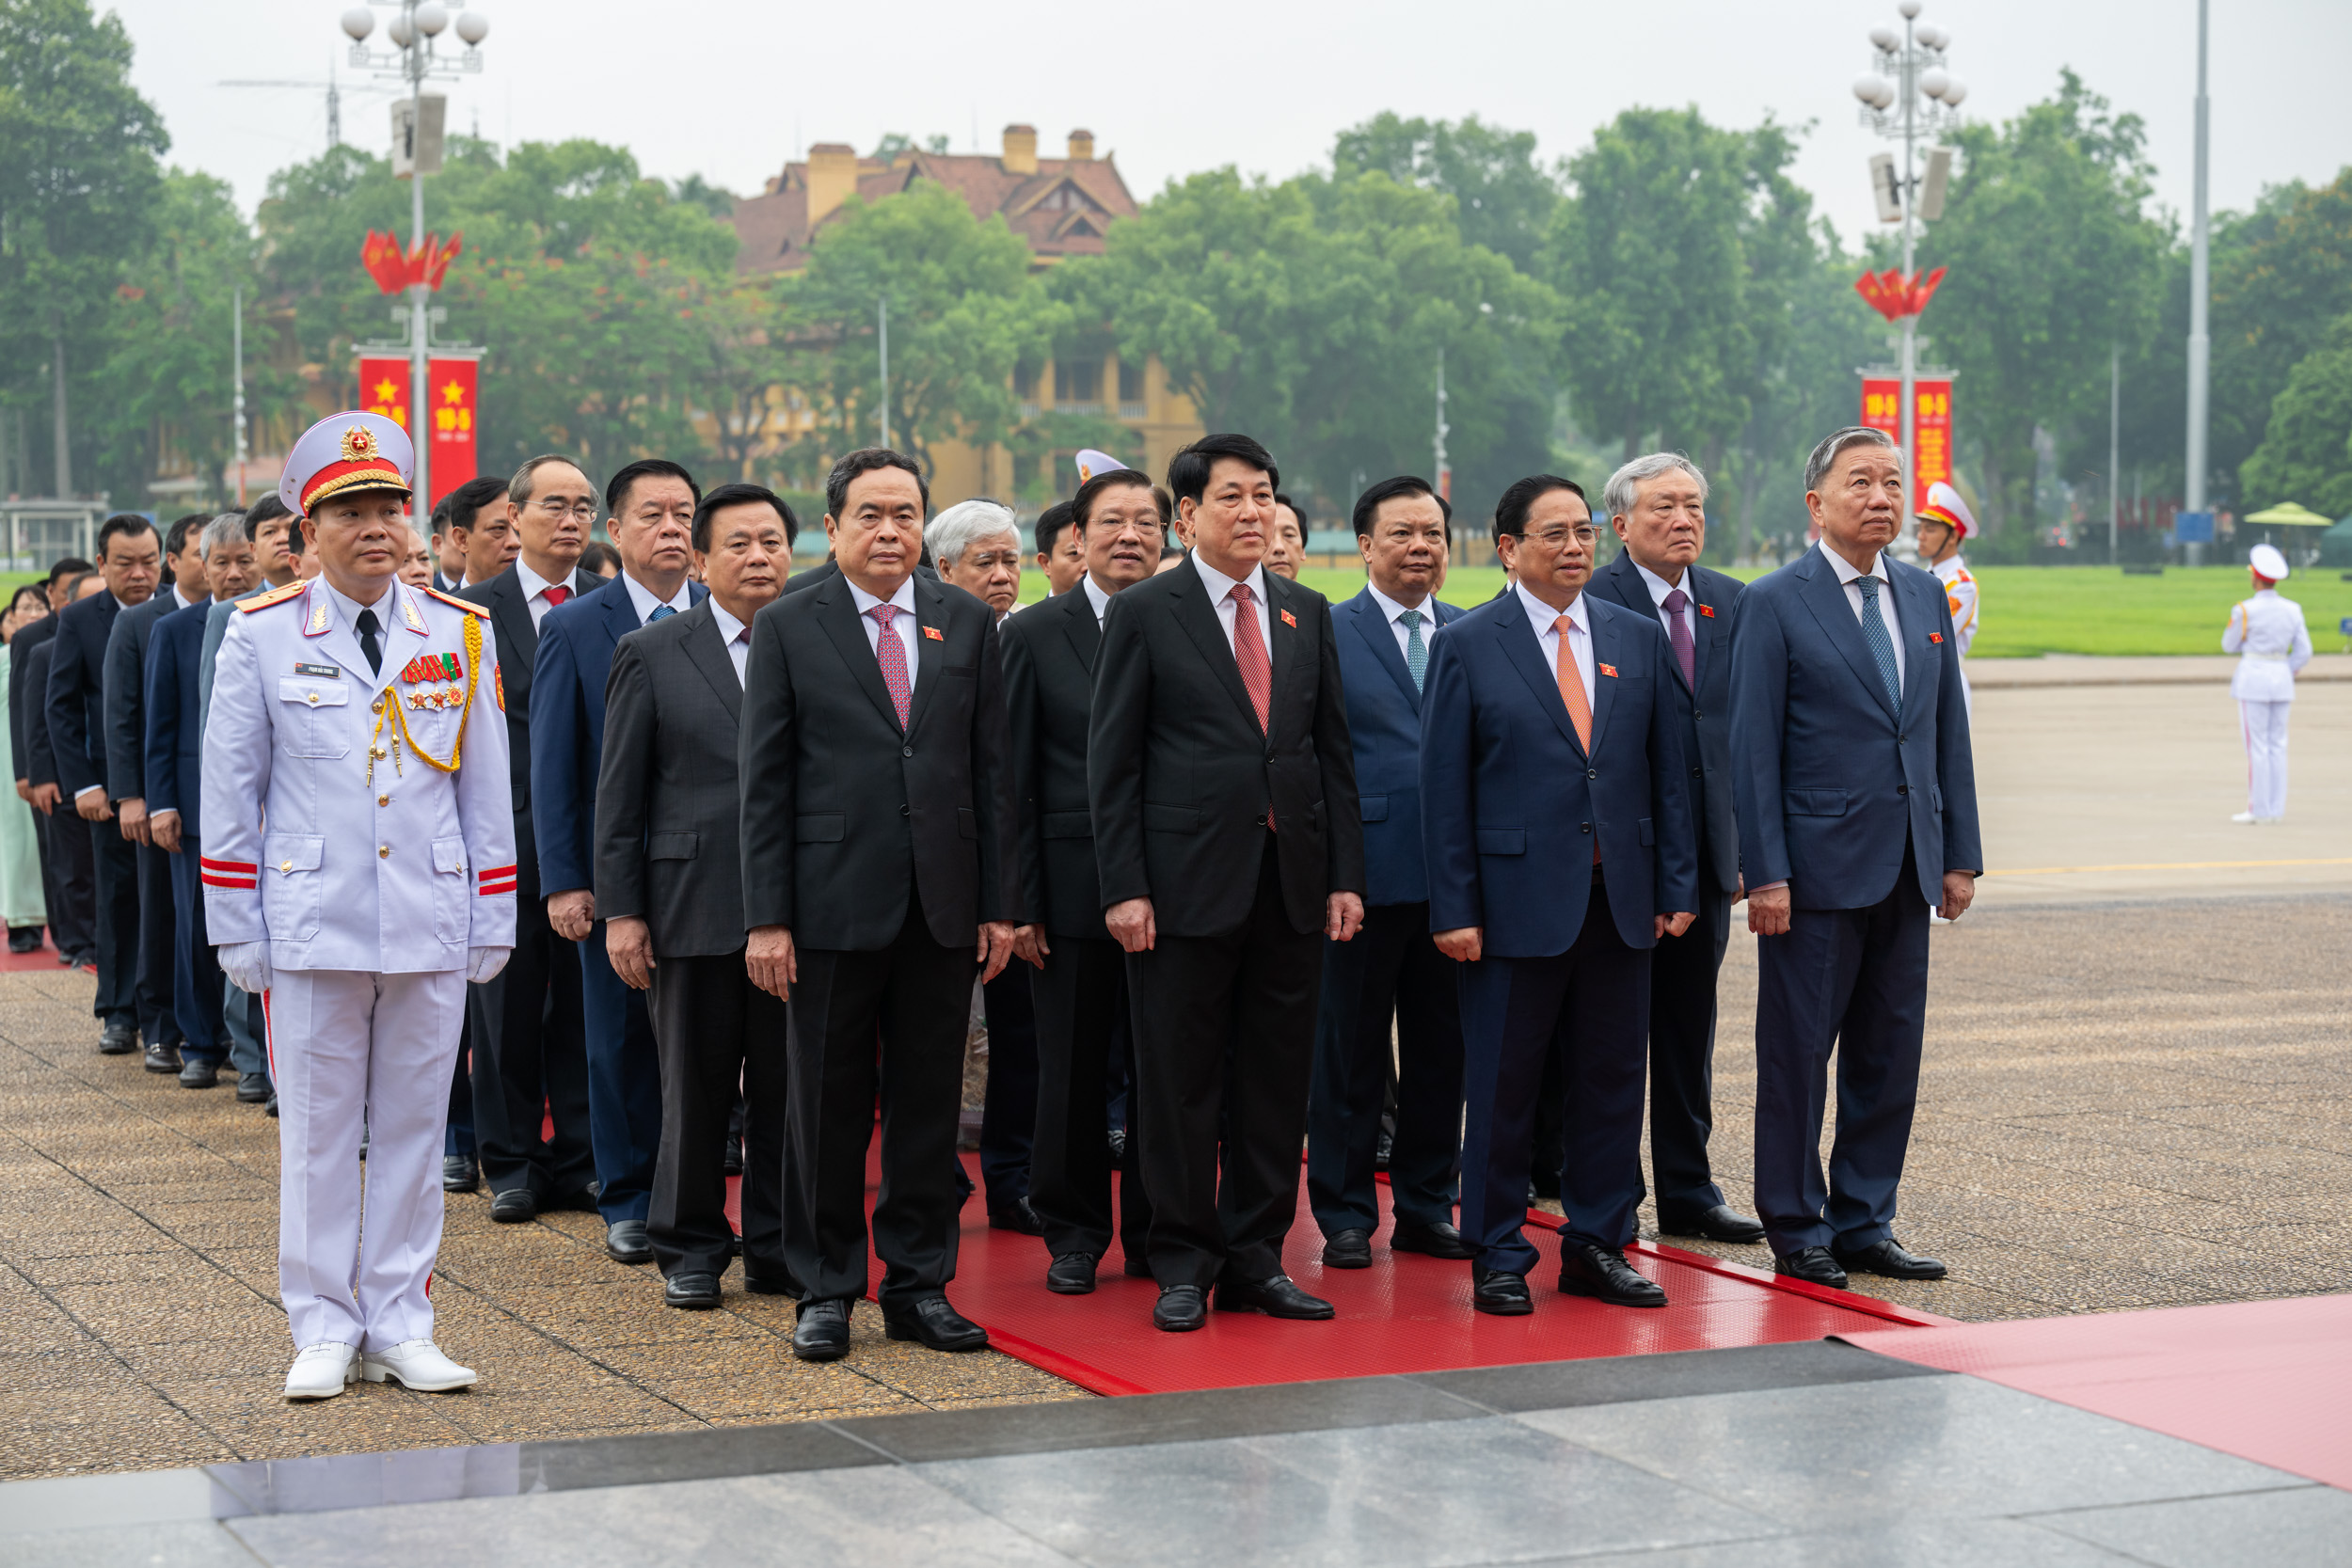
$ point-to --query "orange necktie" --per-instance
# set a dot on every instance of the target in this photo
(1572, 685)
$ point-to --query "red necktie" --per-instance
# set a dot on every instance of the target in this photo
(556, 594)
(1257, 675)
(893, 656)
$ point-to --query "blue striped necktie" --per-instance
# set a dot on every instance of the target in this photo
(1416, 651)
(658, 611)
(1881, 645)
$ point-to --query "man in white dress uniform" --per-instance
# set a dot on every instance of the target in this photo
(2267, 634)
(360, 871)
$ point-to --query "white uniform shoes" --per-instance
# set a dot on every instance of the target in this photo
(2248, 820)
(417, 1364)
(320, 1372)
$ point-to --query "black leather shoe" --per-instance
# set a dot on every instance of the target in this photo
(580, 1202)
(1180, 1310)
(1433, 1241)
(120, 1039)
(1812, 1264)
(1499, 1294)
(198, 1072)
(731, 1164)
(1382, 1149)
(625, 1241)
(822, 1333)
(1349, 1249)
(459, 1173)
(23, 939)
(1722, 1222)
(1072, 1274)
(781, 1284)
(253, 1088)
(162, 1057)
(1603, 1274)
(513, 1205)
(1275, 1295)
(937, 1324)
(1016, 1217)
(270, 1107)
(1889, 1261)
(695, 1293)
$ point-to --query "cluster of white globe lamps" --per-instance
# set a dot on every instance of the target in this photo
(431, 19)
(1935, 81)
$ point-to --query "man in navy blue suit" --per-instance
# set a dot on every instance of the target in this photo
(651, 506)
(1858, 803)
(1557, 827)
(1391, 969)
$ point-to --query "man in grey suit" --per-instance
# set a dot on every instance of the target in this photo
(669, 883)
(1657, 506)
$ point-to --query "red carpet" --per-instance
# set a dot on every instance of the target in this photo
(41, 959)
(2269, 1381)
(1406, 1314)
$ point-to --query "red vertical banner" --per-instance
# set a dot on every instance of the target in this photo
(452, 422)
(1882, 409)
(384, 389)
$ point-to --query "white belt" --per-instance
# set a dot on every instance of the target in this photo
(2267, 659)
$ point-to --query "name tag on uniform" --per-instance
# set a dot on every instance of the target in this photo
(324, 672)
(1609, 670)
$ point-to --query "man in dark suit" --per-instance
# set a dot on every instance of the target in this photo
(1391, 972)
(125, 684)
(1223, 795)
(65, 868)
(1857, 798)
(1658, 507)
(1081, 987)
(1560, 846)
(129, 560)
(879, 879)
(669, 886)
(651, 505)
(525, 1024)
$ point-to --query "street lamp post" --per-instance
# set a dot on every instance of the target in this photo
(1908, 97)
(2200, 296)
(411, 31)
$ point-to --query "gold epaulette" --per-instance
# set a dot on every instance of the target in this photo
(466, 605)
(275, 595)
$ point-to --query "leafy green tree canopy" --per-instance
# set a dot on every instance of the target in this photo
(2306, 453)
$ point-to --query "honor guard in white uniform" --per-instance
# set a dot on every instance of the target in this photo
(1944, 523)
(2267, 634)
(359, 871)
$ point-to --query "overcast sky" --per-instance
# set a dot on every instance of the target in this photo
(731, 89)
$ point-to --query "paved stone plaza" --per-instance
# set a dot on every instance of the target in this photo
(2136, 1094)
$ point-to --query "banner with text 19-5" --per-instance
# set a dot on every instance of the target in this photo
(451, 420)
(1882, 409)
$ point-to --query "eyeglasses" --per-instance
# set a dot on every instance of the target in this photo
(1552, 538)
(555, 506)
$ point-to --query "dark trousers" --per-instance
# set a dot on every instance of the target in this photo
(1683, 975)
(1008, 1116)
(1391, 969)
(1081, 999)
(1591, 1003)
(157, 920)
(917, 996)
(529, 1062)
(1225, 1034)
(116, 861)
(458, 1134)
(72, 890)
(245, 1030)
(196, 978)
(623, 1085)
(716, 1030)
(1855, 980)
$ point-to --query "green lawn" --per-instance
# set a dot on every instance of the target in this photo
(2030, 610)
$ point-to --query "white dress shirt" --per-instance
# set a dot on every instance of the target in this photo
(1659, 588)
(1541, 616)
(181, 594)
(1848, 575)
(535, 590)
(1101, 601)
(1396, 612)
(901, 625)
(737, 636)
(1220, 595)
(642, 596)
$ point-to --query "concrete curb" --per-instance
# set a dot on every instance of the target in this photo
(2000, 674)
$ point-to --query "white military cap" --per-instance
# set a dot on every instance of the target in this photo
(1091, 462)
(2266, 560)
(343, 452)
(1945, 506)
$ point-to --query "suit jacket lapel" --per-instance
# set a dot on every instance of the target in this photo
(1826, 597)
(1520, 647)
(1607, 650)
(838, 613)
(1197, 616)
(509, 614)
(1710, 627)
(1289, 642)
(1371, 624)
(708, 654)
(1079, 625)
(930, 614)
(1916, 611)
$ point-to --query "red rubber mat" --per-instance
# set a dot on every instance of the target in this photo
(2269, 1381)
(40, 959)
(1406, 1314)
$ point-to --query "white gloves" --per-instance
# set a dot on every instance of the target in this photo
(483, 963)
(246, 964)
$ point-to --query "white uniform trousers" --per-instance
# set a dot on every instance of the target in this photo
(347, 1045)
(2265, 726)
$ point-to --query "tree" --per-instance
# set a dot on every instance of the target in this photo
(2055, 264)
(2306, 453)
(1503, 199)
(2280, 274)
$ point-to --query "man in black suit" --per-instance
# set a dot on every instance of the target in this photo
(130, 559)
(65, 869)
(1226, 831)
(528, 1037)
(669, 884)
(879, 879)
(1658, 507)
(1081, 990)
(125, 698)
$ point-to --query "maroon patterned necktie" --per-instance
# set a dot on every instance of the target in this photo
(1680, 636)
(893, 656)
(1257, 675)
